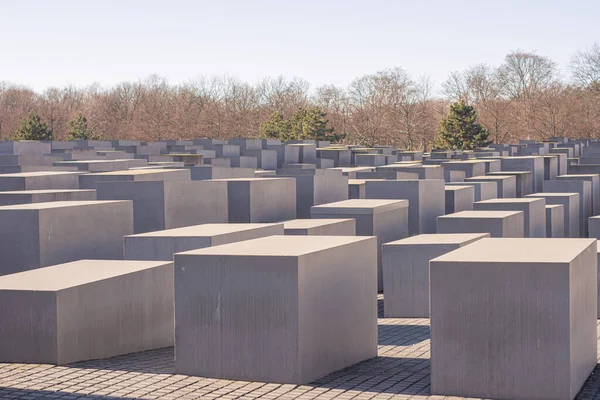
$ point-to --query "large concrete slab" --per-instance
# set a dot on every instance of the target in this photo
(161, 245)
(506, 184)
(486, 302)
(45, 195)
(555, 221)
(533, 164)
(159, 205)
(594, 179)
(41, 234)
(523, 181)
(386, 219)
(426, 200)
(570, 203)
(84, 310)
(481, 190)
(497, 223)
(584, 189)
(406, 270)
(269, 293)
(534, 212)
(39, 180)
(261, 199)
(459, 198)
(89, 181)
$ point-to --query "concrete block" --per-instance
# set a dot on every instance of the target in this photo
(314, 187)
(570, 203)
(555, 221)
(496, 223)
(41, 234)
(43, 196)
(340, 157)
(244, 162)
(25, 148)
(322, 227)
(422, 171)
(161, 245)
(533, 164)
(426, 200)
(89, 181)
(204, 172)
(39, 180)
(261, 199)
(523, 181)
(406, 270)
(459, 198)
(534, 212)
(584, 189)
(267, 159)
(86, 310)
(454, 176)
(514, 319)
(506, 184)
(372, 160)
(471, 168)
(159, 205)
(551, 167)
(386, 219)
(101, 165)
(594, 179)
(307, 152)
(269, 293)
(481, 190)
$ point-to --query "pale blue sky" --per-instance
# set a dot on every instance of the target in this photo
(47, 43)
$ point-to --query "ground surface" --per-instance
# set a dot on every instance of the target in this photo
(401, 371)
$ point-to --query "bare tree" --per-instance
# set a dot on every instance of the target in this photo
(585, 67)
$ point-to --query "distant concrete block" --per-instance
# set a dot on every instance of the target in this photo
(89, 181)
(534, 212)
(386, 219)
(159, 205)
(39, 180)
(551, 167)
(524, 183)
(161, 245)
(205, 172)
(594, 179)
(471, 168)
(506, 184)
(481, 190)
(584, 189)
(406, 270)
(321, 227)
(555, 221)
(269, 293)
(459, 198)
(86, 310)
(26, 148)
(41, 234)
(261, 199)
(489, 338)
(496, 223)
(570, 203)
(426, 200)
(533, 164)
(43, 196)
(372, 160)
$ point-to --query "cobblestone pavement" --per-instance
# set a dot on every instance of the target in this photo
(401, 371)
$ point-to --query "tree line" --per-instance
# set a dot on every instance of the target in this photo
(525, 97)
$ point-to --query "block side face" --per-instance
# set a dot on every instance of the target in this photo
(273, 200)
(239, 204)
(237, 317)
(345, 332)
(121, 315)
(193, 203)
(583, 312)
(28, 329)
(160, 248)
(148, 202)
(487, 329)
(248, 234)
(84, 232)
(19, 241)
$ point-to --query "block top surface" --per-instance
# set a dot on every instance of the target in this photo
(255, 179)
(523, 200)
(551, 194)
(59, 204)
(38, 173)
(556, 206)
(510, 173)
(578, 175)
(481, 214)
(489, 178)
(278, 245)
(76, 273)
(457, 187)
(523, 250)
(45, 191)
(313, 223)
(130, 172)
(439, 238)
(77, 162)
(359, 206)
(205, 230)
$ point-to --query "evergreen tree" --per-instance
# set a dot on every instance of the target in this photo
(78, 129)
(275, 127)
(460, 130)
(306, 124)
(32, 128)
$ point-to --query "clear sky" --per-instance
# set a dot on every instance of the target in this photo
(47, 43)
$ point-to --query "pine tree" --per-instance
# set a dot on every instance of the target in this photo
(78, 129)
(274, 128)
(460, 130)
(305, 124)
(32, 128)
